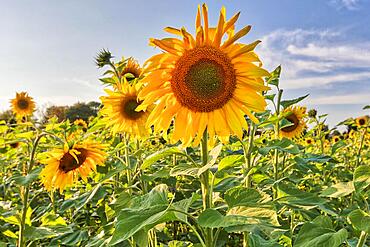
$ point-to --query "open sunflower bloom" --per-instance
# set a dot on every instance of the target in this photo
(120, 110)
(295, 115)
(204, 81)
(65, 165)
(23, 105)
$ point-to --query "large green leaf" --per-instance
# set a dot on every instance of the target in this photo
(29, 178)
(241, 196)
(361, 178)
(287, 103)
(230, 161)
(289, 195)
(151, 159)
(339, 190)
(284, 145)
(360, 220)
(255, 240)
(320, 233)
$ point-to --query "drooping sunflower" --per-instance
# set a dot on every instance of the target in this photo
(120, 110)
(65, 165)
(362, 121)
(23, 105)
(295, 115)
(204, 82)
(81, 123)
(132, 70)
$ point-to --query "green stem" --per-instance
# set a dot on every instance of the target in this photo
(249, 156)
(26, 189)
(277, 130)
(127, 159)
(204, 179)
(360, 148)
(362, 239)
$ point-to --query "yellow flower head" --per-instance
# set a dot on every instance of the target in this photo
(362, 121)
(309, 141)
(204, 81)
(295, 116)
(65, 165)
(23, 105)
(335, 139)
(120, 110)
(132, 70)
(81, 123)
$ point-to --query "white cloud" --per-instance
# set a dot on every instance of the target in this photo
(362, 98)
(313, 58)
(348, 4)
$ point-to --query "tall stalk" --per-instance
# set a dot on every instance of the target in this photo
(26, 190)
(360, 147)
(277, 130)
(362, 239)
(204, 179)
(127, 159)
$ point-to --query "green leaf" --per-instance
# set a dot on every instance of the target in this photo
(29, 178)
(366, 107)
(320, 233)
(338, 145)
(35, 233)
(240, 196)
(339, 190)
(214, 153)
(270, 97)
(287, 103)
(275, 76)
(284, 145)
(361, 178)
(255, 240)
(151, 159)
(360, 220)
(289, 195)
(184, 169)
(230, 161)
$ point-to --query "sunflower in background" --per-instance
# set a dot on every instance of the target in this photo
(204, 81)
(295, 115)
(132, 70)
(65, 165)
(120, 112)
(80, 122)
(23, 105)
(309, 141)
(335, 139)
(362, 121)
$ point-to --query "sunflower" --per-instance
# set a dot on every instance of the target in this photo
(335, 139)
(132, 70)
(309, 141)
(120, 110)
(23, 105)
(295, 115)
(204, 82)
(64, 165)
(362, 121)
(81, 123)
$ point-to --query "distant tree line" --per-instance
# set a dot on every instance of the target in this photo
(80, 110)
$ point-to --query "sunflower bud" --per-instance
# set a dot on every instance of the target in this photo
(312, 113)
(103, 58)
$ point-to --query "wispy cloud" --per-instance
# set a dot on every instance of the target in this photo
(313, 58)
(361, 98)
(347, 4)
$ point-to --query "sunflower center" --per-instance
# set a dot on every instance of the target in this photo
(130, 75)
(292, 118)
(128, 108)
(361, 121)
(22, 104)
(203, 79)
(69, 163)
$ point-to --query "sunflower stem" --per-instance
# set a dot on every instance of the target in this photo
(360, 147)
(127, 159)
(26, 189)
(248, 156)
(204, 179)
(362, 239)
(277, 130)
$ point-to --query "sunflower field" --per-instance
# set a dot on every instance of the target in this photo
(198, 147)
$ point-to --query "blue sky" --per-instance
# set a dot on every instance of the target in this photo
(47, 47)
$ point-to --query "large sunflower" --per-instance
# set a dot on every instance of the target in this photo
(23, 105)
(120, 110)
(295, 115)
(65, 165)
(204, 82)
